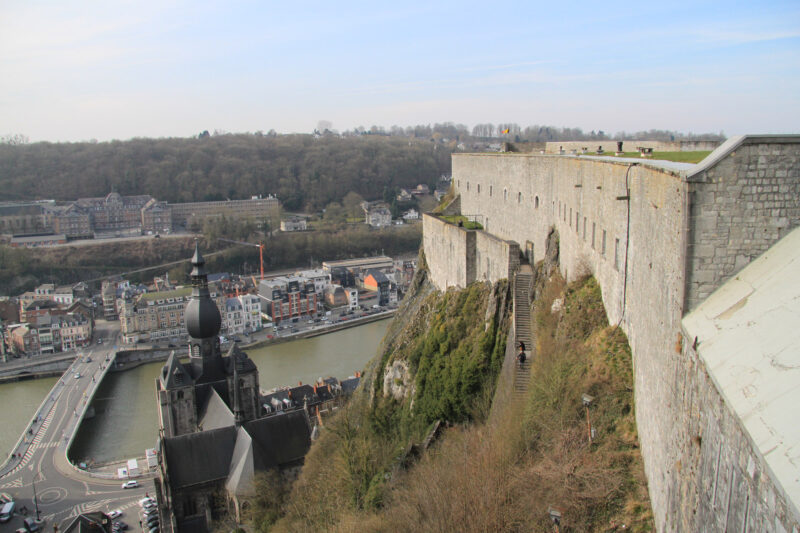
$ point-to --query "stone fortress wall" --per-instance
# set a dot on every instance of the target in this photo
(639, 227)
(554, 147)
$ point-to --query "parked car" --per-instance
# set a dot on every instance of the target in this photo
(116, 513)
(5, 498)
(144, 501)
(132, 484)
(77, 375)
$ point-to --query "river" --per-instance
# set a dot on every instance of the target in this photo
(126, 421)
(18, 402)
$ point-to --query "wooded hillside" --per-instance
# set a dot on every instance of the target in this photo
(303, 171)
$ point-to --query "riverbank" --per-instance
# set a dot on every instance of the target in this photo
(55, 365)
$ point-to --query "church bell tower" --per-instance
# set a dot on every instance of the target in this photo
(203, 323)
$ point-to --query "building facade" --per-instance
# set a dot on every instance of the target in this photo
(256, 208)
(287, 297)
(157, 316)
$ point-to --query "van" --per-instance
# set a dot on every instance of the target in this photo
(7, 511)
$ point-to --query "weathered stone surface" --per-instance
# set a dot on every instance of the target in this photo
(658, 241)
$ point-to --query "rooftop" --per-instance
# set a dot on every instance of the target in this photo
(163, 295)
(748, 338)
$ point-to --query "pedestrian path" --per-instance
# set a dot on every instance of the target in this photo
(35, 444)
(522, 325)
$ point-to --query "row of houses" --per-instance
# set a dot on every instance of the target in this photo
(49, 334)
(158, 316)
(49, 319)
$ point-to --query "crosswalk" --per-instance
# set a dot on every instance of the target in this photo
(37, 443)
(104, 505)
(15, 484)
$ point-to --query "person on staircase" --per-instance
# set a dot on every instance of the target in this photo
(521, 355)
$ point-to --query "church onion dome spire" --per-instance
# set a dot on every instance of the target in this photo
(202, 316)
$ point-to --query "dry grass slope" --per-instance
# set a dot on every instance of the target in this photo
(501, 475)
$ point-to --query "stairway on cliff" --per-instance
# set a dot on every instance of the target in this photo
(522, 320)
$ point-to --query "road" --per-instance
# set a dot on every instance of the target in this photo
(63, 491)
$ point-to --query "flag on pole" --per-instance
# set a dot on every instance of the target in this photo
(504, 131)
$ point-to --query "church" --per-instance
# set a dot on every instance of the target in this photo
(213, 438)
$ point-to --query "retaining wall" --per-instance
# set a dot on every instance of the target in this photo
(638, 229)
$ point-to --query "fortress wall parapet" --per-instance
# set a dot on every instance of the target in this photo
(554, 147)
(449, 252)
(459, 256)
(740, 204)
(638, 228)
(495, 258)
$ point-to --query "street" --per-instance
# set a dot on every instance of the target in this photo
(62, 490)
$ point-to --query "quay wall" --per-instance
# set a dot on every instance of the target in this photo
(658, 238)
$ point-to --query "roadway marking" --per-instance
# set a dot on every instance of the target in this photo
(52, 495)
(17, 483)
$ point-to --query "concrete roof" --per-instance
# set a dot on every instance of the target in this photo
(643, 161)
(748, 337)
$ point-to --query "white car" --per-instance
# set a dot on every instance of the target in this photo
(116, 513)
(144, 502)
(132, 484)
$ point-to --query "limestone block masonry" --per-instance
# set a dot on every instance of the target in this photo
(658, 236)
(461, 256)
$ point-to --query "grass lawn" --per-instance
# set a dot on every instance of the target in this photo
(455, 219)
(679, 157)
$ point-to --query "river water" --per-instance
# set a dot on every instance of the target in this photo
(18, 402)
(126, 421)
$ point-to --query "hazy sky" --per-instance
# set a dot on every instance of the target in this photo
(76, 70)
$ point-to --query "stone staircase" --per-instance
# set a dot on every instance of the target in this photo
(524, 333)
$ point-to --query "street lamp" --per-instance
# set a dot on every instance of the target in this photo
(35, 498)
(555, 516)
(587, 401)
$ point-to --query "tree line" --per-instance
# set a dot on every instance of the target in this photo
(304, 172)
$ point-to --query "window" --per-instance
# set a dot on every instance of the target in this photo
(604, 244)
(593, 231)
(505, 195)
(490, 191)
(479, 188)
(519, 197)
(570, 217)
(577, 222)
(536, 202)
(467, 185)
(616, 254)
(584, 228)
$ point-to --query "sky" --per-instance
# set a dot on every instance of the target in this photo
(82, 70)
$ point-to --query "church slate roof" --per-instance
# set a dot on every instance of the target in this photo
(173, 374)
(215, 413)
(283, 439)
(201, 457)
(234, 454)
